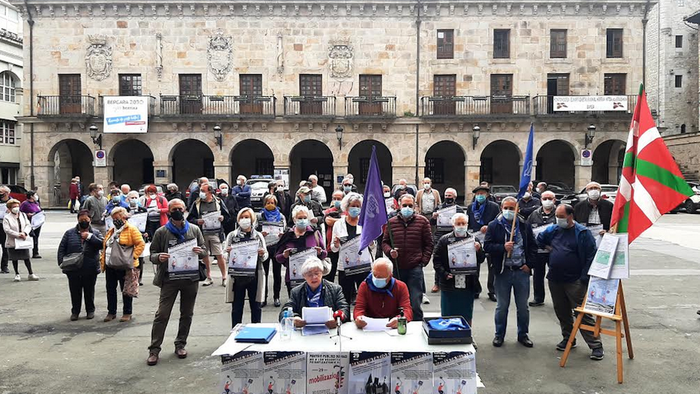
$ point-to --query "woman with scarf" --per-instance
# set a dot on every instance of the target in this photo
(344, 230)
(301, 237)
(136, 205)
(17, 227)
(176, 231)
(126, 235)
(270, 216)
(31, 207)
(480, 213)
(252, 282)
(330, 217)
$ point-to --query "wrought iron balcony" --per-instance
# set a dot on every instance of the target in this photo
(218, 106)
(576, 105)
(309, 107)
(465, 106)
(368, 108)
(66, 106)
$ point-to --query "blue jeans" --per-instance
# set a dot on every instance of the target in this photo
(416, 283)
(519, 282)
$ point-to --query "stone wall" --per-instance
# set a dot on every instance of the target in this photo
(684, 149)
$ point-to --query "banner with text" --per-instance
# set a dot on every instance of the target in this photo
(125, 114)
(590, 103)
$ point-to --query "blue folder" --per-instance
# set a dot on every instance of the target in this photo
(256, 334)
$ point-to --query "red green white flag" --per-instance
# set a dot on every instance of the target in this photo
(651, 183)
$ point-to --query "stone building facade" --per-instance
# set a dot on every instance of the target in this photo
(282, 79)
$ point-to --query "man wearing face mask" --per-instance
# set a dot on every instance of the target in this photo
(539, 220)
(513, 252)
(427, 199)
(541, 188)
(528, 203)
(4, 198)
(594, 210)
(481, 212)
(318, 193)
(194, 190)
(403, 187)
(409, 242)
(125, 192)
(572, 249)
(284, 200)
(173, 192)
(304, 198)
(231, 206)
(242, 193)
(381, 295)
(450, 201)
(347, 186)
(96, 205)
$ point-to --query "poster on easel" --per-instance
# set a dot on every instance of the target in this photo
(285, 372)
(326, 372)
(454, 372)
(241, 373)
(601, 296)
(621, 264)
(603, 260)
(370, 372)
(411, 372)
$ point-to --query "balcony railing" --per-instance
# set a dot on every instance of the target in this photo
(152, 107)
(572, 105)
(69, 106)
(456, 106)
(361, 107)
(224, 106)
(309, 107)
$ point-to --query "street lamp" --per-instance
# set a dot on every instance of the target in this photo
(590, 133)
(96, 136)
(339, 134)
(218, 137)
(475, 137)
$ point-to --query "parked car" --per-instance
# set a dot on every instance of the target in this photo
(607, 192)
(691, 204)
(18, 192)
(258, 188)
(499, 192)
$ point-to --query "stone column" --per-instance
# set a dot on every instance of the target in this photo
(103, 175)
(407, 172)
(166, 170)
(472, 177)
(222, 170)
(340, 169)
(582, 175)
(43, 182)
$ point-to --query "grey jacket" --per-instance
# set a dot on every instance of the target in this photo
(162, 240)
(332, 297)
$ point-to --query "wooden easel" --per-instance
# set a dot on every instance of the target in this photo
(620, 319)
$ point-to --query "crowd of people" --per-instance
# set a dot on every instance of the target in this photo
(517, 238)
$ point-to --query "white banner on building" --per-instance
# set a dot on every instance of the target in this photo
(590, 103)
(126, 114)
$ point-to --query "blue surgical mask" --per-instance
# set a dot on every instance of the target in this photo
(379, 282)
(116, 200)
(480, 198)
(354, 211)
(307, 198)
(563, 222)
(336, 204)
(460, 231)
(508, 215)
(202, 195)
(302, 223)
(406, 212)
(347, 188)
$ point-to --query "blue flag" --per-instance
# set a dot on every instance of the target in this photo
(373, 214)
(526, 176)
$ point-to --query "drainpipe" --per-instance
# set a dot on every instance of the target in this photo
(645, 19)
(30, 22)
(418, 23)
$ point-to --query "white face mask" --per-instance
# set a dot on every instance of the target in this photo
(387, 195)
(527, 195)
(244, 223)
(224, 192)
(563, 222)
(426, 186)
(101, 193)
(594, 194)
(15, 210)
(547, 204)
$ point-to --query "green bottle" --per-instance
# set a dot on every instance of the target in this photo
(402, 323)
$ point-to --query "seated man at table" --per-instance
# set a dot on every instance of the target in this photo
(381, 296)
(316, 292)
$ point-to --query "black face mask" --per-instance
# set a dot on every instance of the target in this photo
(449, 200)
(177, 215)
(118, 223)
(84, 224)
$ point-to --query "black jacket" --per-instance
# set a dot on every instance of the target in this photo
(529, 206)
(284, 203)
(441, 264)
(72, 242)
(194, 215)
(232, 208)
(583, 209)
(491, 211)
(332, 297)
(177, 194)
(315, 209)
(494, 244)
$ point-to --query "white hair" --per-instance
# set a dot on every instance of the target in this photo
(449, 189)
(172, 186)
(349, 199)
(5, 188)
(243, 177)
(548, 192)
(117, 210)
(314, 177)
(132, 193)
(126, 185)
(176, 201)
(592, 184)
(301, 208)
(507, 199)
(459, 216)
(313, 263)
(385, 262)
(253, 216)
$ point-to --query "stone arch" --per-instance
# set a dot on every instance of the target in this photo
(500, 163)
(358, 162)
(251, 157)
(68, 158)
(556, 163)
(444, 165)
(311, 157)
(132, 162)
(607, 161)
(191, 159)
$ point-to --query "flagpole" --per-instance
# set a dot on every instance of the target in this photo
(512, 227)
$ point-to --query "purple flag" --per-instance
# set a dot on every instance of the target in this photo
(373, 214)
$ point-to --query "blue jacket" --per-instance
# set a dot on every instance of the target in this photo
(110, 206)
(242, 195)
(491, 211)
(73, 243)
(585, 244)
(496, 237)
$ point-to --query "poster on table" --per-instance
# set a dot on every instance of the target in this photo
(273, 230)
(243, 258)
(462, 257)
(603, 260)
(211, 221)
(183, 263)
(296, 260)
(326, 372)
(285, 372)
(38, 220)
(353, 261)
(241, 373)
(411, 372)
(621, 264)
(125, 114)
(602, 296)
(138, 220)
(445, 215)
(454, 372)
(370, 372)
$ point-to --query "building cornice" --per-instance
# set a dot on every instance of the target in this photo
(313, 8)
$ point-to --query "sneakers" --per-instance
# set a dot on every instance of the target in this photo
(597, 354)
(561, 346)
(208, 282)
(223, 282)
(33, 277)
(18, 278)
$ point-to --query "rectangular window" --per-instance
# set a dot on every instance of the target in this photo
(502, 93)
(190, 93)
(679, 41)
(435, 169)
(557, 44)
(251, 88)
(7, 133)
(679, 81)
(614, 43)
(501, 43)
(69, 91)
(370, 88)
(615, 84)
(310, 86)
(130, 85)
(445, 44)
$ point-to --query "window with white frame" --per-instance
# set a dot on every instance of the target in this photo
(8, 86)
(7, 133)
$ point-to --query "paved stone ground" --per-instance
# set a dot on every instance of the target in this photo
(41, 351)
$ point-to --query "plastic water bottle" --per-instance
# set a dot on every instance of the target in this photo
(287, 323)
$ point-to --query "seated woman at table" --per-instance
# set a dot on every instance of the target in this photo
(316, 292)
(380, 296)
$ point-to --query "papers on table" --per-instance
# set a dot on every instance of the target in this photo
(444, 218)
(621, 265)
(183, 262)
(295, 262)
(243, 258)
(595, 230)
(601, 296)
(22, 244)
(602, 262)
(316, 319)
(38, 220)
(462, 257)
(374, 324)
(354, 262)
(139, 221)
(273, 230)
(211, 221)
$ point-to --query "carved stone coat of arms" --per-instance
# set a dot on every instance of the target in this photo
(340, 57)
(98, 58)
(219, 55)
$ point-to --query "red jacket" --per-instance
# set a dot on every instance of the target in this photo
(413, 238)
(162, 205)
(380, 305)
(73, 191)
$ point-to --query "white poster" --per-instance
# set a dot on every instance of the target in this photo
(590, 103)
(454, 372)
(601, 296)
(3, 210)
(183, 263)
(370, 372)
(241, 373)
(211, 221)
(138, 220)
(128, 114)
(38, 220)
(602, 262)
(326, 373)
(282, 174)
(411, 372)
(285, 372)
(354, 262)
(295, 262)
(621, 264)
(444, 218)
(462, 257)
(272, 232)
(243, 258)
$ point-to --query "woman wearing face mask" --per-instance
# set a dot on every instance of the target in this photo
(457, 297)
(330, 217)
(126, 235)
(157, 207)
(82, 239)
(238, 286)
(31, 207)
(271, 215)
(300, 237)
(344, 230)
(17, 226)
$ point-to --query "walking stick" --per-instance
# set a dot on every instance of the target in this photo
(512, 228)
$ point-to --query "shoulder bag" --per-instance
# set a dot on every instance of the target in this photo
(121, 257)
(73, 261)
